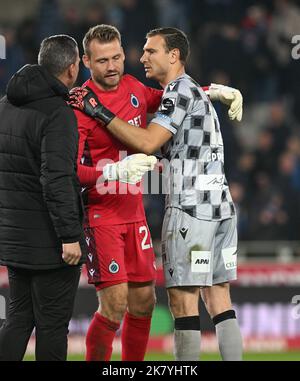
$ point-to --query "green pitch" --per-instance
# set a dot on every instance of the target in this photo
(278, 356)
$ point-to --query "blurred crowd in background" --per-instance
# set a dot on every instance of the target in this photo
(245, 44)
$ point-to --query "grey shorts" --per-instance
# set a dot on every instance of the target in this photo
(198, 252)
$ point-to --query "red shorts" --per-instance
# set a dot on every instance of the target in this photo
(120, 253)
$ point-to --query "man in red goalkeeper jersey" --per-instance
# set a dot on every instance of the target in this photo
(121, 260)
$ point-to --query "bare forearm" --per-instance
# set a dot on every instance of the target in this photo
(142, 140)
(136, 138)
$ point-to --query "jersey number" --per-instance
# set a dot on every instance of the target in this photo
(145, 245)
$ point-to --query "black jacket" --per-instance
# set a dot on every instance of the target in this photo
(40, 203)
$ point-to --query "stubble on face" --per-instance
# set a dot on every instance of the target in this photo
(107, 76)
(109, 79)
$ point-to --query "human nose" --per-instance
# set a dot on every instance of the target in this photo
(143, 58)
(111, 65)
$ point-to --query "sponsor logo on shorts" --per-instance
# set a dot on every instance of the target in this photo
(92, 272)
(230, 258)
(230, 265)
(171, 271)
(113, 267)
(200, 261)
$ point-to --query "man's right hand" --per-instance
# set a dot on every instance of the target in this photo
(84, 99)
(71, 253)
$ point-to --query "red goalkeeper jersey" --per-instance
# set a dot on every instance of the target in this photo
(131, 101)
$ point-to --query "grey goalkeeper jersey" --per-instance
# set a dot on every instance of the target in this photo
(194, 178)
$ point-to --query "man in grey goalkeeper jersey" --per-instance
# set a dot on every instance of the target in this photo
(199, 237)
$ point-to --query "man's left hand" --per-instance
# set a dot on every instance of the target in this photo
(229, 96)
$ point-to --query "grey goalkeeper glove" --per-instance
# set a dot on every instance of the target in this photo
(230, 97)
(131, 169)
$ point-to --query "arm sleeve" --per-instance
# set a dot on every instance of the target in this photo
(153, 98)
(174, 107)
(58, 174)
(87, 174)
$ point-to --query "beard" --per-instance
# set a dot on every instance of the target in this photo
(108, 83)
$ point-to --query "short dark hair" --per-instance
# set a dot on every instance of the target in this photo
(57, 53)
(103, 33)
(174, 39)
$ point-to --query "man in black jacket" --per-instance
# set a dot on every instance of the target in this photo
(41, 235)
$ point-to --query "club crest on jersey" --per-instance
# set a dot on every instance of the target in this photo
(113, 267)
(134, 101)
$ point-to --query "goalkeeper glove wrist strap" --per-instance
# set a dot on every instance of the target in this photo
(105, 115)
